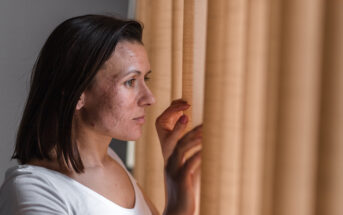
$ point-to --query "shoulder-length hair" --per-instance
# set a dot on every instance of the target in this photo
(65, 67)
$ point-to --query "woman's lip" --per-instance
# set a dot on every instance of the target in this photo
(139, 117)
(140, 120)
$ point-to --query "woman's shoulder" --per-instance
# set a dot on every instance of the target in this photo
(26, 180)
(25, 174)
(28, 187)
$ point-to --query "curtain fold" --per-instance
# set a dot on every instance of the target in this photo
(266, 78)
(193, 70)
(188, 57)
(299, 85)
(177, 48)
(271, 106)
(157, 19)
(330, 165)
(254, 106)
(223, 111)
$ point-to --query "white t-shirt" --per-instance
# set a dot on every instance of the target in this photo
(35, 190)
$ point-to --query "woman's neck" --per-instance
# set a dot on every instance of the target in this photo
(92, 146)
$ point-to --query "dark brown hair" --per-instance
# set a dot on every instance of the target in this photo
(65, 67)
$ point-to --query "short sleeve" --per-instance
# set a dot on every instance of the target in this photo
(31, 194)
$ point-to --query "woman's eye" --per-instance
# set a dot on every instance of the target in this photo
(130, 83)
(146, 79)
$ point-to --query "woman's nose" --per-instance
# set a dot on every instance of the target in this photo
(147, 98)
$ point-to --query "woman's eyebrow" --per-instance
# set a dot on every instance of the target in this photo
(137, 72)
(116, 76)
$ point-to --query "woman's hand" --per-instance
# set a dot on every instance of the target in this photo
(181, 157)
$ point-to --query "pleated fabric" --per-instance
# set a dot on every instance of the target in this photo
(266, 79)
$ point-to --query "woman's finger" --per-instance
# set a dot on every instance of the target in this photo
(169, 117)
(191, 166)
(179, 128)
(170, 142)
(187, 147)
(196, 132)
(182, 148)
(189, 150)
(183, 153)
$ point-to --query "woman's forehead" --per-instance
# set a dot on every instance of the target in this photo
(129, 52)
(127, 56)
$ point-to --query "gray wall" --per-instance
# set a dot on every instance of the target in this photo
(24, 27)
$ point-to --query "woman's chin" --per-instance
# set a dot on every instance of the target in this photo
(134, 136)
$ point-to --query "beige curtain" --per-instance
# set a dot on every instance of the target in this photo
(174, 36)
(157, 38)
(266, 78)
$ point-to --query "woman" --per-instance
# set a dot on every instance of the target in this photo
(89, 86)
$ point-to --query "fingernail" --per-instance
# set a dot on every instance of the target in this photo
(183, 119)
(179, 101)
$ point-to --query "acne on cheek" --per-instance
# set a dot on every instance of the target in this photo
(109, 111)
(97, 106)
(112, 107)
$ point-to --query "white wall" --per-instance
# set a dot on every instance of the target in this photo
(24, 27)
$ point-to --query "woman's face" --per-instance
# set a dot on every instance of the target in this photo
(114, 105)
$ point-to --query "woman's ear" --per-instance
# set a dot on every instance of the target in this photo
(81, 102)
